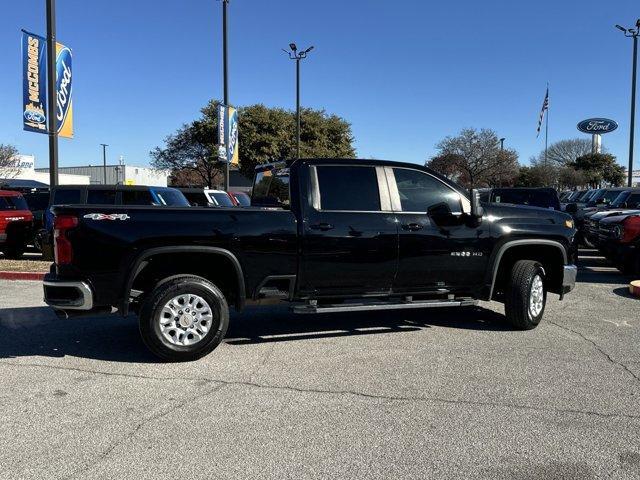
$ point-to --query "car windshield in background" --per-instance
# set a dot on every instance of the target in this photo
(610, 196)
(13, 203)
(533, 198)
(243, 199)
(222, 199)
(620, 199)
(171, 198)
(271, 188)
(197, 198)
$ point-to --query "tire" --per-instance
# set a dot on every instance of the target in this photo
(175, 344)
(518, 306)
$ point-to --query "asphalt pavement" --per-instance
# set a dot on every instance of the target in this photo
(405, 394)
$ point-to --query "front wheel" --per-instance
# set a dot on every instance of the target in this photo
(525, 295)
(184, 318)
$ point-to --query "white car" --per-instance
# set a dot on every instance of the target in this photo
(219, 198)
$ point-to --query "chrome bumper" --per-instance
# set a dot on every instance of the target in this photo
(64, 295)
(569, 278)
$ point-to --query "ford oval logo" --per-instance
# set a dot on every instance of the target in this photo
(63, 85)
(597, 125)
(34, 116)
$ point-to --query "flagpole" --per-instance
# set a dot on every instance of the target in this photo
(546, 130)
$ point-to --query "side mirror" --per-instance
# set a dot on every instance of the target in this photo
(476, 208)
(571, 208)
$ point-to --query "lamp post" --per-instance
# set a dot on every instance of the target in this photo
(51, 92)
(104, 161)
(296, 55)
(632, 33)
(501, 144)
(225, 75)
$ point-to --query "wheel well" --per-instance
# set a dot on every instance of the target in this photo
(218, 269)
(550, 257)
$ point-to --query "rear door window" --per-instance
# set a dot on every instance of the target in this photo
(101, 197)
(348, 188)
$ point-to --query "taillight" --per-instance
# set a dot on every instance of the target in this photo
(62, 245)
(631, 229)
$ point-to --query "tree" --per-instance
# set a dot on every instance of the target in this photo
(264, 135)
(535, 176)
(599, 168)
(9, 161)
(564, 152)
(191, 154)
(474, 159)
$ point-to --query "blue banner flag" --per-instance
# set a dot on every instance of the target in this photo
(34, 86)
(228, 133)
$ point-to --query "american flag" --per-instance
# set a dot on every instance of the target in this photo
(545, 107)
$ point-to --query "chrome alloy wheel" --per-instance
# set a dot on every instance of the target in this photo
(186, 319)
(536, 297)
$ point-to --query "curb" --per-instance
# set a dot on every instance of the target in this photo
(34, 276)
(634, 288)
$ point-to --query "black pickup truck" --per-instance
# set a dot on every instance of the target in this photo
(326, 235)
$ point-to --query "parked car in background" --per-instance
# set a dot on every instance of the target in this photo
(105, 195)
(241, 199)
(38, 201)
(619, 241)
(219, 198)
(532, 197)
(16, 224)
(628, 201)
(196, 196)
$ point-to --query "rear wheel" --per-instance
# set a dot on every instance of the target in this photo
(525, 295)
(184, 318)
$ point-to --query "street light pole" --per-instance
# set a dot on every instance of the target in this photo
(225, 74)
(501, 144)
(51, 92)
(104, 161)
(297, 56)
(632, 33)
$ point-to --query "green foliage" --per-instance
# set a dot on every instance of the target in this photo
(599, 168)
(265, 134)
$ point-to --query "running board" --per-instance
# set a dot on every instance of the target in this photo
(313, 307)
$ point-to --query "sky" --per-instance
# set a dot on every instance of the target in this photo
(404, 73)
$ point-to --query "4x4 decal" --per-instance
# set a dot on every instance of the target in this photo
(106, 216)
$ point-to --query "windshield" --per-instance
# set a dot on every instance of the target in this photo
(243, 199)
(620, 199)
(222, 199)
(575, 195)
(610, 195)
(271, 188)
(171, 198)
(13, 203)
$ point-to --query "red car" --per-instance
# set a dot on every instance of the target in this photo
(16, 221)
(240, 199)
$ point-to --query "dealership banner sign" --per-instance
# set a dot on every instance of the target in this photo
(34, 83)
(34, 86)
(228, 134)
(64, 99)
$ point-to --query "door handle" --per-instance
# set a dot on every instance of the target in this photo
(412, 227)
(321, 226)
